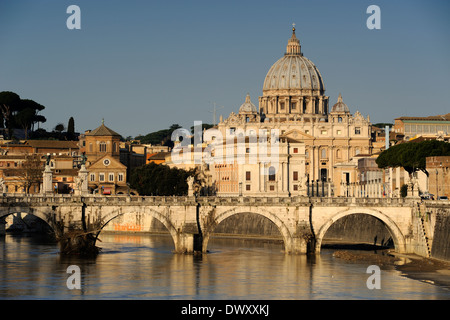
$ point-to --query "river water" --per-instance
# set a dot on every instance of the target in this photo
(144, 267)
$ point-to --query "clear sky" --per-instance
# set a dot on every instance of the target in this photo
(144, 65)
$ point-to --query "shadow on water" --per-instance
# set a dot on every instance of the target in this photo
(354, 246)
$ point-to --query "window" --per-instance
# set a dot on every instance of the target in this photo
(271, 174)
(92, 177)
(338, 132)
(295, 150)
(102, 146)
(232, 130)
(248, 175)
(293, 106)
(323, 132)
(115, 147)
(323, 153)
(247, 187)
(295, 187)
(307, 131)
(120, 177)
(247, 150)
(295, 175)
(339, 119)
(338, 153)
(357, 130)
(111, 177)
(101, 177)
(281, 105)
(272, 188)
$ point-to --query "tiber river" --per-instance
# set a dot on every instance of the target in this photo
(144, 267)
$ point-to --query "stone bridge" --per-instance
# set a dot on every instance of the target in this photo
(302, 221)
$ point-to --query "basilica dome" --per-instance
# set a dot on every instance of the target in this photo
(340, 106)
(294, 71)
(248, 106)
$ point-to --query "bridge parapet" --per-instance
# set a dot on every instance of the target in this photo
(210, 200)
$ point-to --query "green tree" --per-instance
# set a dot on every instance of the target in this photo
(412, 155)
(17, 112)
(71, 129)
(161, 137)
(59, 128)
(160, 180)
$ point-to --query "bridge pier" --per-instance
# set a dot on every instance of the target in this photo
(2, 226)
(188, 243)
(297, 245)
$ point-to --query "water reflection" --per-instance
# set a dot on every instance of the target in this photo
(144, 267)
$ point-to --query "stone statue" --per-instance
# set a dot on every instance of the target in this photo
(83, 159)
(47, 162)
(190, 182)
(78, 182)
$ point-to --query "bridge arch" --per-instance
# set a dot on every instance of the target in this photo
(216, 218)
(149, 213)
(45, 215)
(397, 235)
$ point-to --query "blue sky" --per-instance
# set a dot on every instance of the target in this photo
(144, 65)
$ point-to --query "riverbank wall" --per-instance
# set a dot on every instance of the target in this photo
(435, 216)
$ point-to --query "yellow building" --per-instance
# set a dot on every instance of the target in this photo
(107, 175)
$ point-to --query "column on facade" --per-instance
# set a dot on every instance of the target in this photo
(300, 107)
(397, 180)
(391, 173)
(316, 163)
(260, 173)
(330, 163)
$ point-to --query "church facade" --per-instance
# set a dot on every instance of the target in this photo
(315, 143)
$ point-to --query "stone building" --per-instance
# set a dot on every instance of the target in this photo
(437, 127)
(107, 175)
(439, 176)
(295, 106)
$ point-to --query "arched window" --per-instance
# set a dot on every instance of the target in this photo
(338, 153)
(115, 147)
(272, 174)
(102, 146)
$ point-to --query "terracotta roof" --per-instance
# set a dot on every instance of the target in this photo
(158, 156)
(52, 144)
(445, 117)
(103, 131)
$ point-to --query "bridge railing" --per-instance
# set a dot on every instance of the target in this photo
(11, 198)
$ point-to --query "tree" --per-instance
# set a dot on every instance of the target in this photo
(30, 172)
(59, 128)
(412, 155)
(9, 102)
(161, 137)
(160, 180)
(17, 112)
(71, 129)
